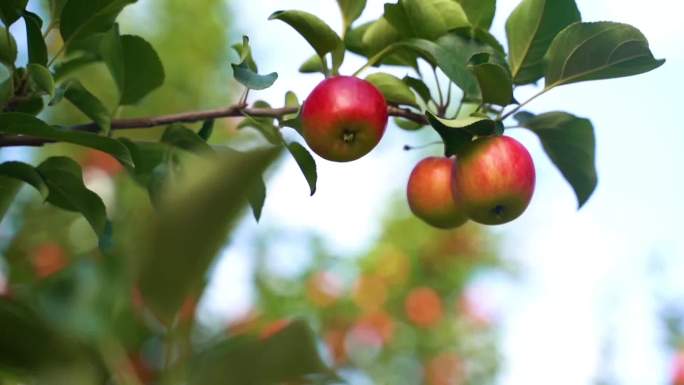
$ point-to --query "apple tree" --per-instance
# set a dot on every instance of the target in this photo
(145, 275)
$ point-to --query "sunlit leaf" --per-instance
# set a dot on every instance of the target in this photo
(594, 51)
(569, 141)
(530, 29)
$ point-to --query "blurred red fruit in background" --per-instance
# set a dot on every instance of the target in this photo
(423, 307)
(48, 259)
(445, 369)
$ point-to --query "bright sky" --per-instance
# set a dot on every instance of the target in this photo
(587, 288)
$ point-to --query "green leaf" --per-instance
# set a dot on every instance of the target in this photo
(8, 48)
(11, 10)
(456, 133)
(56, 7)
(480, 13)
(251, 79)
(306, 163)
(393, 88)
(494, 79)
(312, 65)
(64, 68)
(6, 86)
(351, 10)
(569, 141)
(594, 51)
(291, 101)
(431, 19)
(147, 156)
(288, 356)
(419, 87)
(42, 78)
(256, 196)
(33, 105)
(64, 179)
(451, 54)
(178, 135)
(265, 126)
(175, 261)
(530, 29)
(83, 18)
(245, 71)
(138, 54)
(29, 344)
(88, 103)
(408, 125)
(16, 123)
(37, 50)
(206, 130)
(111, 51)
(9, 188)
(25, 173)
(321, 37)
(245, 52)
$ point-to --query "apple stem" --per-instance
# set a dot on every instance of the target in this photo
(501, 118)
(409, 147)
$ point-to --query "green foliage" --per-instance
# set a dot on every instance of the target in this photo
(393, 88)
(8, 48)
(531, 28)
(64, 179)
(245, 71)
(480, 12)
(22, 124)
(26, 173)
(493, 77)
(306, 163)
(83, 18)
(211, 204)
(351, 10)
(321, 37)
(37, 49)
(594, 51)
(457, 133)
(569, 141)
(290, 355)
(11, 10)
(87, 103)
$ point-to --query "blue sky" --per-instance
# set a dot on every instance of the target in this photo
(586, 283)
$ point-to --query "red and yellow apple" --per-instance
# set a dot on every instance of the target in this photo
(494, 180)
(344, 118)
(429, 193)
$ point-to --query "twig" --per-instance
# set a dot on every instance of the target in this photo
(189, 117)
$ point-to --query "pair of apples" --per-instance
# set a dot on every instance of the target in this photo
(491, 181)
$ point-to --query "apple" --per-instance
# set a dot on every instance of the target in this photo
(343, 118)
(429, 193)
(494, 179)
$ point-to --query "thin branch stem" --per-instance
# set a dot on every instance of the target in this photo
(190, 117)
(516, 109)
(375, 59)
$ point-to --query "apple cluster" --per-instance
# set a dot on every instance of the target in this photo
(491, 181)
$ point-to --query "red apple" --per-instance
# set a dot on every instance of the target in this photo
(494, 180)
(429, 193)
(344, 118)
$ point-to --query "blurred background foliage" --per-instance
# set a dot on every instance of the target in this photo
(399, 313)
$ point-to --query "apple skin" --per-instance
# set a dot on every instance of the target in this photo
(495, 179)
(344, 118)
(429, 193)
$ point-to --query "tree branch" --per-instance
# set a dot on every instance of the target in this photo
(190, 117)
